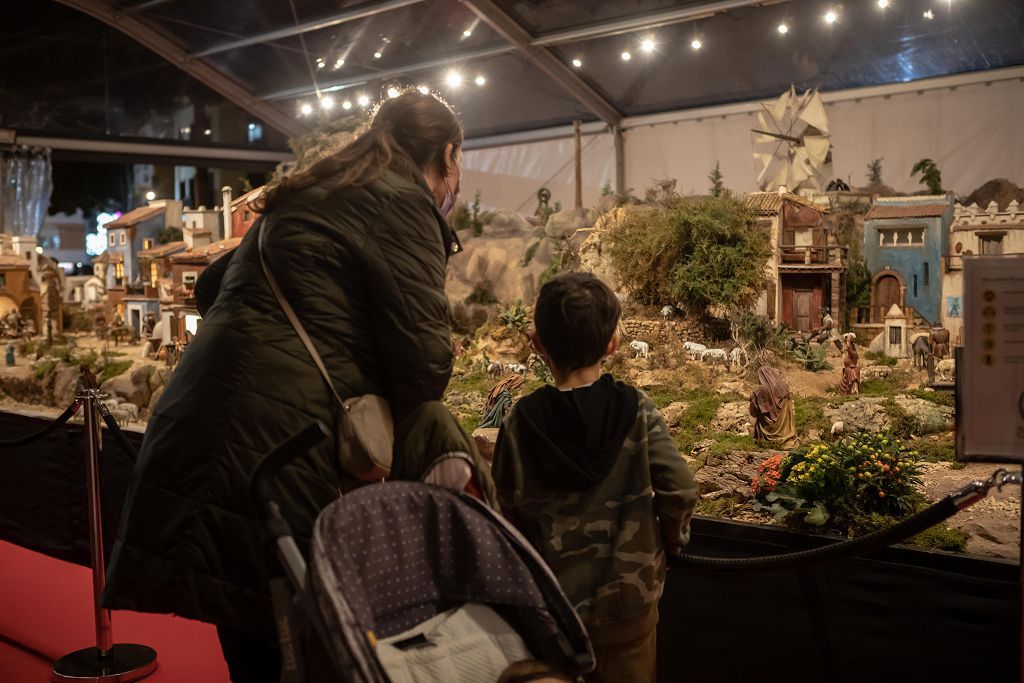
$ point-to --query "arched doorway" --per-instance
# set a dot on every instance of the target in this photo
(29, 310)
(888, 290)
(7, 304)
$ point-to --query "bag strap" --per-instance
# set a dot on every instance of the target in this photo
(297, 325)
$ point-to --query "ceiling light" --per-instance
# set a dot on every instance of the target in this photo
(480, 80)
(346, 105)
(883, 3)
(340, 63)
(453, 79)
(647, 45)
(928, 14)
(626, 56)
(326, 102)
(393, 92)
(363, 100)
(696, 44)
(577, 62)
(467, 33)
(320, 63)
(378, 54)
(306, 109)
(783, 28)
(151, 195)
(831, 17)
(424, 89)
(207, 132)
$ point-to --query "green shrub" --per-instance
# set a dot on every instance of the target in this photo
(903, 423)
(880, 358)
(528, 254)
(699, 250)
(809, 413)
(483, 293)
(936, 451)
(112, 369)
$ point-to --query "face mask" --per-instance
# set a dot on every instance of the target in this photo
(449, 199)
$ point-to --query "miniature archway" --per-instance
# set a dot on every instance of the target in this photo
(7, 304)
(887, 288)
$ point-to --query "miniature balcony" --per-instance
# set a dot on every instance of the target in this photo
(813, 254)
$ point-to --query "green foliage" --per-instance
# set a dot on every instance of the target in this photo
(469, 423)
(846, 481)
(702, 251)
(483, 293)
(112, 369)
(719, 507)
(938, 537)
(168, 235)
(757, 332)
(559, 260)
(943, 450)
(811, 357)
(514, 315)
(903, 423)
(875, 172)
(717, 186)
(931, 177)
(886, 386)
(606, 190)
(880, 358)
(43, 368)
(528, 254)
(810, 414)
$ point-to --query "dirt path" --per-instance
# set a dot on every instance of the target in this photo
(994, 523)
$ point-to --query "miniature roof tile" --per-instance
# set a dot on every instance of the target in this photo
(109, 257)
(879, 211)
(135, 216)
(770, 203)
(8, 261)
(162, 250)
(247, 198)
(208, 254)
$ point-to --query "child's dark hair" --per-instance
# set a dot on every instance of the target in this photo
(576, 316)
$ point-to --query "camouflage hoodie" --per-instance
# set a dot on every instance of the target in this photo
(593, 479)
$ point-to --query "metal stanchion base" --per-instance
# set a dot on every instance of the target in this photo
(127, 662)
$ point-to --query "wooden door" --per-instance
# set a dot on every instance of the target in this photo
(887, 293)
(802, 302)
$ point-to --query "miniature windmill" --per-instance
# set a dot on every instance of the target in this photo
(792, 146)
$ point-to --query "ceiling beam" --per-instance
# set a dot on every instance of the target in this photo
(352, 14)
(509, 29)
(644, 22)
(197, 68)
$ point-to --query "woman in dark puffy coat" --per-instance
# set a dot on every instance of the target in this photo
(359, 248)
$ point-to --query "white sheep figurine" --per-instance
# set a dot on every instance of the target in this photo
(643, 349)
(711, 356)
(694, 349)
(667, 312)
(517, 368)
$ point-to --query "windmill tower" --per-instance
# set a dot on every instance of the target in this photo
(792, 145)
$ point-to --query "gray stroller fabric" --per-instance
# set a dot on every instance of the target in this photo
(387, 557)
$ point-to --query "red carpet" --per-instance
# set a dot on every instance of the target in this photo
(45, 613)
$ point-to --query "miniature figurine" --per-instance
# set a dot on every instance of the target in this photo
(10, 355)
(938, 340)
(499, 401)
(771, 406)
(850, 382)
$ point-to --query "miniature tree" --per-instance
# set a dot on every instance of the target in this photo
(930, 175)
(702, 251)
(875, 171)
(717, 186)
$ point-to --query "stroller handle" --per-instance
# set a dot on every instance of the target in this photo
(283, 453)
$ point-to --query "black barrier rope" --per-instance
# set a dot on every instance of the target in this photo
(942, 510)
(61, 419)
(115, 429)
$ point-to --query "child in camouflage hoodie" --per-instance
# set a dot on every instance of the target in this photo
(586, 469)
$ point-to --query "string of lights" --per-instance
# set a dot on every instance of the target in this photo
(646, 45)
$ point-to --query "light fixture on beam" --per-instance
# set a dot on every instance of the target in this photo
(393, 92)
(320, 63)
(363, 101)
(346, 105)
(831, 16)
(928, 14)
(696, 44)
(626, 56)
(578, 63)
(647, 45)
(783, 29)
(480, 80)
(453, 79)
(326, 102)
(305, 109)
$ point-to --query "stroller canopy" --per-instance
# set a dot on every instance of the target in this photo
(390, 556)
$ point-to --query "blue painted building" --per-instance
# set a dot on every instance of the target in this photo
(905, 239)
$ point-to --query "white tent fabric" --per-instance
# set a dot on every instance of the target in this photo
(972, 132)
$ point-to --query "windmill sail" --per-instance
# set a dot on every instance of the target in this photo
(792, 145)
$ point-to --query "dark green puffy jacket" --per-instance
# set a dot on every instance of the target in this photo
(364, 269)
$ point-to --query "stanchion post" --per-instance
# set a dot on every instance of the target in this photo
(106, 662)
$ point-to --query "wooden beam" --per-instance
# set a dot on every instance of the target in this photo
(156, 41)
(509, 29)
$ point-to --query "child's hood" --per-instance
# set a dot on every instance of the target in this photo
(574, 437)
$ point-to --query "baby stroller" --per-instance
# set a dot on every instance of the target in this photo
(409, 582)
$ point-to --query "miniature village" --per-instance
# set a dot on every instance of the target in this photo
(850, 297)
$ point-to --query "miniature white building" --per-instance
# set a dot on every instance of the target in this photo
(974, 230)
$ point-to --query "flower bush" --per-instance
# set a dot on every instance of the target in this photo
(858, 476)
(769, 475)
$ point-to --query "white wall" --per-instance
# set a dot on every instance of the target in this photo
(972, 131)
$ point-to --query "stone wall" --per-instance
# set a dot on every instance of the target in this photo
(660, 332)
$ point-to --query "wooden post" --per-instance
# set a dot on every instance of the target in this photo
(579, 165)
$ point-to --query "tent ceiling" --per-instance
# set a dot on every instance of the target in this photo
(743, 56)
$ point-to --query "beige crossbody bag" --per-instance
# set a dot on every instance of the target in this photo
(366, 432)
